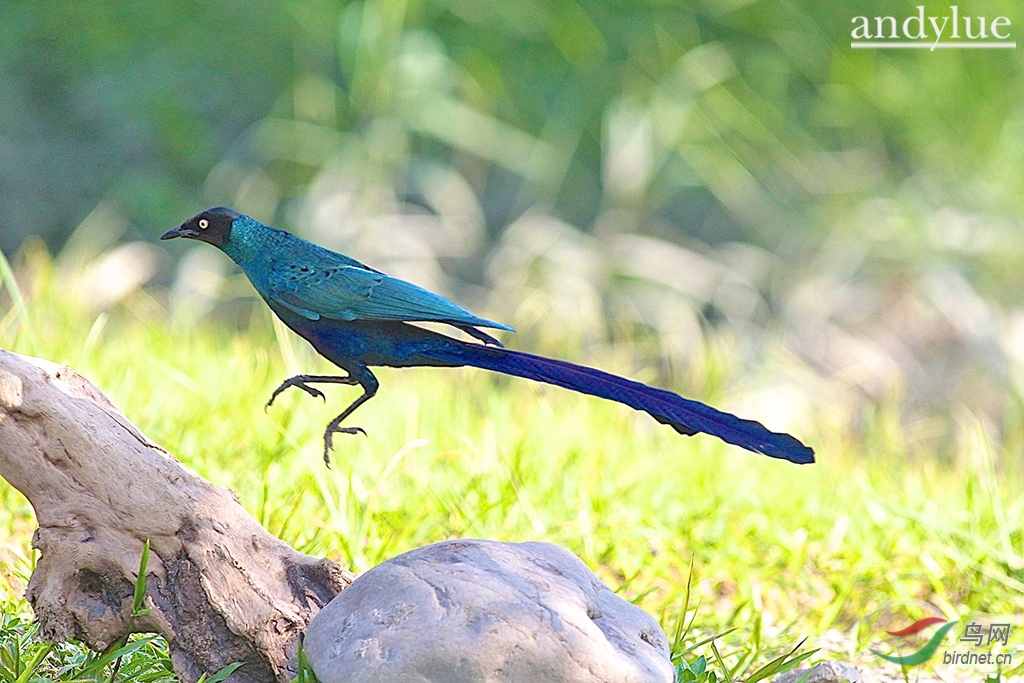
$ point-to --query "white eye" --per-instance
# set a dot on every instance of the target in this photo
(203, 224)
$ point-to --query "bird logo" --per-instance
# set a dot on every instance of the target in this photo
(927, 650)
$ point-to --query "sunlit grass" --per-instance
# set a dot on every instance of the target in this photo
(779, 552)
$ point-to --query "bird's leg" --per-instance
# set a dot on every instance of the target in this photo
(369, 384)
(303, 382)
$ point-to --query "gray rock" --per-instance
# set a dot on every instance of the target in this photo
(825, 672)
(473, 611)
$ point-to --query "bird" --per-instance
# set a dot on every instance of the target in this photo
(358, 317)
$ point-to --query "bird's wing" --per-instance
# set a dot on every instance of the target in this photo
(349, 292)
(315, 291)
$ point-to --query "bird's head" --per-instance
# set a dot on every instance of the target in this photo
(212, 226)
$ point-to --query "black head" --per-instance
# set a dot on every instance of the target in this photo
(212, 225)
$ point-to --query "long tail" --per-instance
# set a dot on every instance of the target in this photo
(685, 416)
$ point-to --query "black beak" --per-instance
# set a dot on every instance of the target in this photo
(180, 231)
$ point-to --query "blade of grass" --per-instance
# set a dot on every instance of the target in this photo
(780, 664)
(7, 280)
(222, 674)
(34, 662)
(140, 583)
(721, 664)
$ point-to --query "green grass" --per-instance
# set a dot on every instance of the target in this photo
(778, 552)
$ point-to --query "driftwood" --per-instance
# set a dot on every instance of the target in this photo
(220, 588)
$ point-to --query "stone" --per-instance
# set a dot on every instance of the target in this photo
(825, 672)
(473, 611)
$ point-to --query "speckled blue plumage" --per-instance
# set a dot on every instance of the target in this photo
(315, 282)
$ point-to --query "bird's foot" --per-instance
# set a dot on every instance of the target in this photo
(298, 381)
(333, 429)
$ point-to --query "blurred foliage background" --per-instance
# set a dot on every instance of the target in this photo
(686, 173)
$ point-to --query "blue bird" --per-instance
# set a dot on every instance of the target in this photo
(357, 317)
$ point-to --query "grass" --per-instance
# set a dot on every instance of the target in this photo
(778, 553)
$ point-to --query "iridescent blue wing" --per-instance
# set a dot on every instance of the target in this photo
(354, 292)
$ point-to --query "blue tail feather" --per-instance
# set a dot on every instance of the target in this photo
(683, 415)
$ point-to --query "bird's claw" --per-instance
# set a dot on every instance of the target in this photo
(298, 383)
(329, 439)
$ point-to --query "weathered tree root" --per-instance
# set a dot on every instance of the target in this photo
(220, 588)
